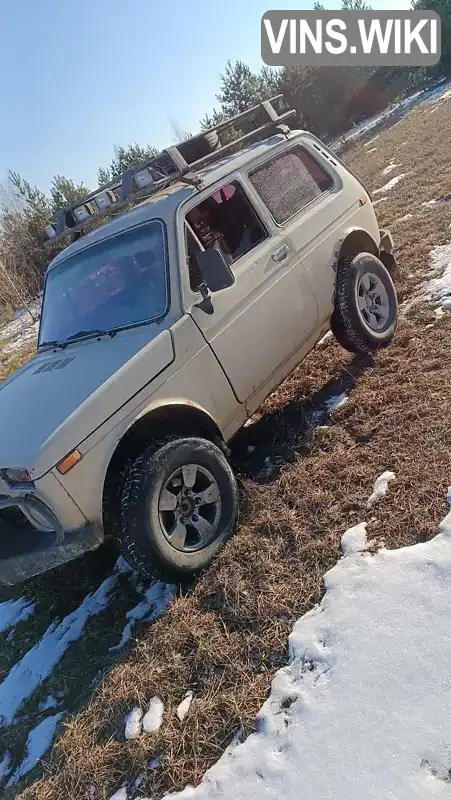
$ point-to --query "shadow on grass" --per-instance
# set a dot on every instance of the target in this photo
(262, 449)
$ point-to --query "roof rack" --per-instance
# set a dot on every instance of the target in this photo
(176, 163)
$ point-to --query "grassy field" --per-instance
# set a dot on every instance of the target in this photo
(225, 637)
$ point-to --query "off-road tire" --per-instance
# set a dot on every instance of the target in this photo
(141, 539)
(347, 322)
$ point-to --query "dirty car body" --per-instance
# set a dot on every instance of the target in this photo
(133, 346)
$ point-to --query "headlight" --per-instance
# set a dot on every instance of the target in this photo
(17, 476)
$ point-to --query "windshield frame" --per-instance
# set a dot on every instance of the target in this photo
(62, 264)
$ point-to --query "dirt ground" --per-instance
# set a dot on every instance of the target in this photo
(225, 637)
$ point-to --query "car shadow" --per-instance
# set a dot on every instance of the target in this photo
(261, 450)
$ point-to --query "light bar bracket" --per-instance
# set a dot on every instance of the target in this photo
(173, 164)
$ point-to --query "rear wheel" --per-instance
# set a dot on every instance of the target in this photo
(366, 312)
(179, 505)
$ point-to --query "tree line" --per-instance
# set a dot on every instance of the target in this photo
(327, 101)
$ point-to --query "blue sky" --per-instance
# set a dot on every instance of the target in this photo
(77, 77)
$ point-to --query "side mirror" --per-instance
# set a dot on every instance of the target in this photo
(214, 269)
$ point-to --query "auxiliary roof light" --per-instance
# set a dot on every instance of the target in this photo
(143, 178)
(81, 213)
(50, 231)
(104, 199)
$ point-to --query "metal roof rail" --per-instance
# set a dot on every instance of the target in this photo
(176, 163)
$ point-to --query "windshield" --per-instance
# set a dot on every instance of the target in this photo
(119, 282)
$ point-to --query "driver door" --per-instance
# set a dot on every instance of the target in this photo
(260, 321)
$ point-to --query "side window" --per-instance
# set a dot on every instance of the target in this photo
(289, 182)
(227, 221)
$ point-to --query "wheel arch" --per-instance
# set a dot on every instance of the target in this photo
(356, 240)
(163, 419)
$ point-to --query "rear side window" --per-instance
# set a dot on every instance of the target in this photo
(290, 182)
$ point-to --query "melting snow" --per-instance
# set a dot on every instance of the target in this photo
(337, 401)
(439, 288)
(5, 765)
(354, 540)
(391, 184)
(38, 663)
(390, 168)
(38, 742)
(184, 706)
(49, 702)
(26, 336)
(362, 711)
(154, 717)
(133, 723)
(380, 488)
(121, 794)
(158, 596)
(440, 201)
(14, 611)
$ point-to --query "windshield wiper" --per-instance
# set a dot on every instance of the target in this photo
(94, 332)
(54, 343)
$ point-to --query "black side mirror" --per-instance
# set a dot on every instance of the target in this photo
(214, 269)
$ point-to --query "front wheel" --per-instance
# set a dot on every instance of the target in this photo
(179, 505)
(366, 312)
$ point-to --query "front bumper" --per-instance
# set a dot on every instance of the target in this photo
(26, 551)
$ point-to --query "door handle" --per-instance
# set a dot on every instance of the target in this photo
(281, 254)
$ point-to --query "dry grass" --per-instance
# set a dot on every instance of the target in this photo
(227, 637)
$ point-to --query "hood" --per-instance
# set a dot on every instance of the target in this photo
(60, 397)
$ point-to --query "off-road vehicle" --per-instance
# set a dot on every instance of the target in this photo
(223, 262)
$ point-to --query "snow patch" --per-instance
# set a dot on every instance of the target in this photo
(27, 336)
(38, 742)
(362, 710)
(390, 168)
(122, 567)
(439, 288)
(157, 597)
(133, 723)
(437, 202)
(5, 765)
(391, 184)
(38, 663)
(380, 488)
(184, 706)
(337, 401)
(153, 719)
(354, 540)
(14, 611)
(121, 794)
(49, 702)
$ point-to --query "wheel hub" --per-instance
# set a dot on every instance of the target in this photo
(190, 508)
(373, 302)
(186, 506)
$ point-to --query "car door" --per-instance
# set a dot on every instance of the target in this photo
(269, 311)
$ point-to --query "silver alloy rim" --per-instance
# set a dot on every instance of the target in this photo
(190, 508)
(373, 302)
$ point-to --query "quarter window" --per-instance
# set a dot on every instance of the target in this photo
(290, 182)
